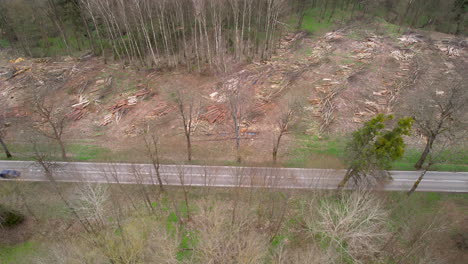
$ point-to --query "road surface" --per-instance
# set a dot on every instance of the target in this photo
(222, 176)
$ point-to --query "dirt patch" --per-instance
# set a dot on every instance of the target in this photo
(454, 243)
(18, 234)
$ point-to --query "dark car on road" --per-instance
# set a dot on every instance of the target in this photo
(9, 174)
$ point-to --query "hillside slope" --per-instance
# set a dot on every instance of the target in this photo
(341, 78)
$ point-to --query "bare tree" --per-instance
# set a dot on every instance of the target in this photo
(438, 111)
(239, 174)
(222, 241)
(3, 127)
(286, 114)
(111, 174)
(189, 111)
(181, 171)
(237, 108)
(139, 176)
(42, 159)
(355, 226)
(91, 202)
(52, 119)
(152, 150)
(447, 146)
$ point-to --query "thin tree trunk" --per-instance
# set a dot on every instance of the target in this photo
(91, 39)
(155, 160)
(416, 183)
(5, 148)
(403, 18)
(346, 178)
(301, 13)
(276, 147)
(426, 152)
(239, 158)
(189, 147)
(62, 148)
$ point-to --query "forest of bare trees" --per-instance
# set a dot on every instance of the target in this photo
(186, 32)
(198, 34)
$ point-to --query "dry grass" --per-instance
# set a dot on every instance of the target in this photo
(224, 241)
(239, 225)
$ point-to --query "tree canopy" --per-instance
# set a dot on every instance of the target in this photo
(374, 147)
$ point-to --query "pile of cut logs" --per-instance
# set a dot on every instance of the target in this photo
(214, 113)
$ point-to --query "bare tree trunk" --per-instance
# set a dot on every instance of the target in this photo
(239, 174)
(181, 174)
(346, 178)
(152, 149)
(5, 148)
(189, 148)
(187, 114)
(48, 169)
(54, 16)
(301, 13)
(139, 179)
(416, 183)
(87, 6)
(62, 148)
(92, 41)
(276, 147)
(53, 117)
(426, 152)
(277, 228)
(403, 18)
(238, 155)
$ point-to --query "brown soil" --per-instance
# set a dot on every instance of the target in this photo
(18, 234)
(343, 80)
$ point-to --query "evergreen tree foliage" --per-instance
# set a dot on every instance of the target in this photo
(373, 148)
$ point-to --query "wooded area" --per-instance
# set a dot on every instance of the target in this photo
(193, 33)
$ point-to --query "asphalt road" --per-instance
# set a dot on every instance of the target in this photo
(222, 176)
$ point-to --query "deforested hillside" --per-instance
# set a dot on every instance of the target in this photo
(254, 81)
(328, 82)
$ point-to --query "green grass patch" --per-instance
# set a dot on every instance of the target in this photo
(315, 21)
(453, 160)
(188, 242)
(18, 253)
(56, 46)
(420, 205)
(4, 43)
(86, 152)
(390, 29)
(329, 152)
(312, 151)
(76, 152)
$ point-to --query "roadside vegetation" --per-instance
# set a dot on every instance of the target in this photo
(117, 224)
(312, 148)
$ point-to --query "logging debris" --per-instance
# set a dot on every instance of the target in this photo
(162, 109)
(17, 71)
(214, 113)
(18, 60)
(410, 39)
(401, 56)
(120, 108)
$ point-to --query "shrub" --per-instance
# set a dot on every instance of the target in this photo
(353, 224)
(10, 218)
